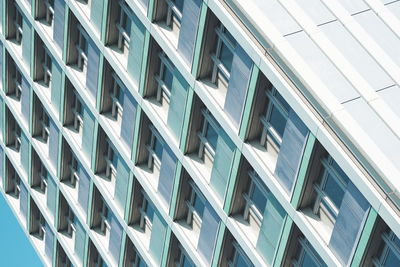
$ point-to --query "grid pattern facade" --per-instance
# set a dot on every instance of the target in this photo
(143, 133)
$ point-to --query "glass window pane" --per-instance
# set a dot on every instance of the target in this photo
(150, 211)
(240, 261)
(158, 149)
(278, 121)
(226, 57)
(167, 78)
(211, 136)
(179, 4)
(391, 260)
(308, 261)
(333, 191)
(198, 206)
(258, 199)
(282, 101)
(340, 172)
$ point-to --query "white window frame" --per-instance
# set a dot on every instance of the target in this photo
(16, 181)
(305, 248)
(82, 47)
(70, 217)
(153, 160)
(17, 136)
(322, 200)
(18, 24)
(77, 112)
(45, 125)
(111, 170)
(104, 211)
(49, 12)
(43, 178)
(174, 15)
(268, 128)
(116, 94)
(237, 250)
(250, 207)
(219, 67)
(163, 92)
(124, 36)
(41, 225)
(17, 83)
(205, 147)
(195, 195)
(389, 247)
(73, 168)
(145, 222)
(47, 67)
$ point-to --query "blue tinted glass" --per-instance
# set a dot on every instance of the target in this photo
(121, 96)
(179, 4)
(336, 167)
(186, 262)
(258, 199)
(114, 159)
(150, 211)
(158, 148)
(278, 121)
(211, 136)
(226, 57)
(229, 37)
(334, 191)
(142, 263)
(397, 241)
(308, 261)
(167, 78)
(282, 101)
(127, 24)
(240, 261)
(391, 260)
(198, 206)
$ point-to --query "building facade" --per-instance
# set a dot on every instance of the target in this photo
(202, 132)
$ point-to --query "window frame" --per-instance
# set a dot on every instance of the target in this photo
(109, 157)
(195, 195)
(163, 92)
(47, 67)
(44, 121)
(153, 159)
(145, 222)
(218, 65)
(18, 24)
(322, 200)
(305, 248)
(43, 175)
(117, 94)
(16, 181)
(82, 60)
(250, 206)
(17, 79)
(104, 212)
(268, 129)
(70, 219)
(49, 18)
(205, 146)
(17, 131)
(123, 35)
(77, 112)
(238, 251)
(73, 168)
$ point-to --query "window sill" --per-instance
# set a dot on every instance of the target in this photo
(203, 170)
(215, 93)
(141, 235)
(267, 158)
(172, 37)
(159, 109)
(251, 232)
(191, 234)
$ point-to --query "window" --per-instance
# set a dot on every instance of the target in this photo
(124, 26)
(43, 178)
(146, 214)
(155, 149)
(390, 254)
(41, 223)
(208, 136)
(111, 161)
(70, 216)
(238, 258)
(77, 113)
(195, 205)
(16, 131)
(44, 124)
(164, 79)
(183, 260)
(307, 256)
(105, 215)
(223, 57)
(18, 25)
(15, 182)
(49, 4)
(117, 98)
(17, 79)
(331, 189)
(73, 169)
(174, 14)
(274, 120)
(46, 65)
(82, 48)
(255, 198)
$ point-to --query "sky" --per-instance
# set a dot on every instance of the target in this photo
(15, 248)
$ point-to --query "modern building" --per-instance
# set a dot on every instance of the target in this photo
(203, 132)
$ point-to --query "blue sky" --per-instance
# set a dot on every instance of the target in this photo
(15, 248)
